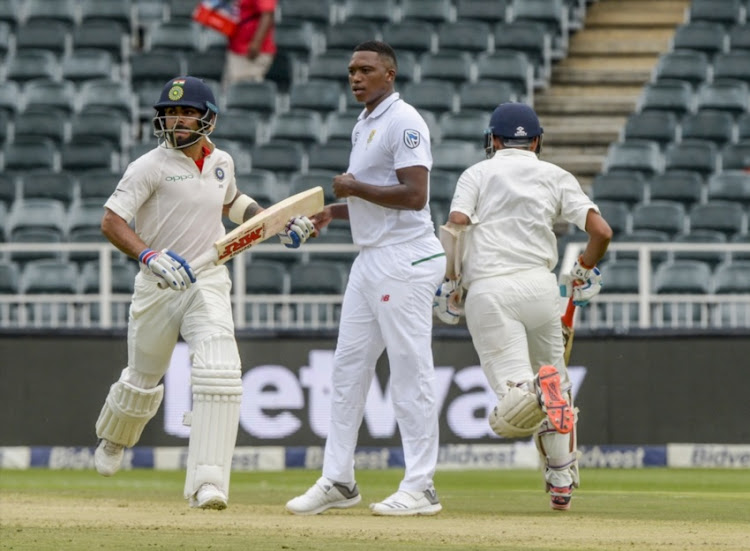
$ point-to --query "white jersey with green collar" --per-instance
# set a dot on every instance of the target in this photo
(176, 206)
(392, 137)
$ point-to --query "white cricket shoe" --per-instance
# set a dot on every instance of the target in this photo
(323, 495)
(208, 496)
(406, 503)
(108, 457)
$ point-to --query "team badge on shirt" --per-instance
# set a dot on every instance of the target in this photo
(219, 172)
(412, 138)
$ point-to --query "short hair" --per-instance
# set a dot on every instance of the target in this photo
(381, 48)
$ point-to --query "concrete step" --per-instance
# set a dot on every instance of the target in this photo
(575, 75)
(583, 167)
(577, 105)
(636, 13)
(581, 133)
(619, 42)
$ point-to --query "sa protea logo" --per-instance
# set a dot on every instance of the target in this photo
(241, 242)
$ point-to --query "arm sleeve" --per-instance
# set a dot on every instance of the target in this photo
(135, 187)
(574, 203)
(466, 195)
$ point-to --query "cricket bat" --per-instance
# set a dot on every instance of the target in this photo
(260, 227)
(567, 329)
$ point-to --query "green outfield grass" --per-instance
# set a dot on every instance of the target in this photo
(501, 510)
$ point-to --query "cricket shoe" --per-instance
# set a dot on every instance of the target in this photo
(560, 497)
(324, 495)
(405, 503)
(208, 496)
(551, 398)
(108, 457)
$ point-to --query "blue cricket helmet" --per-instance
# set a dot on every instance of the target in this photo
(515, 121)
(187, 91)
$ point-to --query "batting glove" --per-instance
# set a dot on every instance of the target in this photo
(171, 267)
(297, 231)
(447, 303)
(583, 282)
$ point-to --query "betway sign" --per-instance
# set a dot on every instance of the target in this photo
(281, 404)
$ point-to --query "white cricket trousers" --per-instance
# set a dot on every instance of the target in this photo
(388, 305)
(515, 326)
(159, 316)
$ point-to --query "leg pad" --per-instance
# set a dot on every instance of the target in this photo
(126, 411)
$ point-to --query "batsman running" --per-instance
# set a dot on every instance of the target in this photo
(501, 251)
(177, 194)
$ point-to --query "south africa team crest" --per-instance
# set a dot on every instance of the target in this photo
(412, 138)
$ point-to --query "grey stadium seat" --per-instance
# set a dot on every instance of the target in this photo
(319, 95)
(726, 12)
(266, 277)
(451, 66)
(704, 36)
(666, 216)
(48, 184)
(731, 278)
(667, 95)
(253, 96)
(434, 11)
(717, 215)
(464, 35)
(411, 36)
(732, 65)
(659, 126)
(727, 95)
(49, 276)
(32, 64)
(682, 277)
(712, 257)
(318, 278)
(714, 126)
(616, 213)
(730, 185)
(642, 156)
(697, 155)
(736, 156)
(489, 11)
(628, 187)
(688, 65)
(683, 186)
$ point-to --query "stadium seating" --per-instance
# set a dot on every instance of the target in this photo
(412, 36)
(319, 12)
(464, 35)
(628, 187)
(727, 95)
(345, 36)
(666, 216)
(658, 126)
(700, 156)
(642, 156)
(485, 95)
(711, 125)
(261, 185)
(508, 66)
(437, 96)
(266, 277)
(63, 11)
(736, 156)
(644, 236)
(375, 12)
(732, 277)
(683, 186)
(621, 275)
(446, 66)
(732, 65)
(238, 125)
(489, 11)
(319, 95)
(302, 181)
(711, 257)
(726, 12)
(49, 276)
(87, 64)
(61, 186)
(682, 277)
(9, 277)
(318, 278)
(616, 214)
(252, 96)
(123, 277)
(118, 11)
(31, 153)
(42, 122)
(52, 36)
(730, 185)
(688, 65)
(27, 65)
(668, 95)
(433, 11)
(329, 156)
(705, 36)
(721, 216)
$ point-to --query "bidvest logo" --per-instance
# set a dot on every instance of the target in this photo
(278, 402)
(242, 241)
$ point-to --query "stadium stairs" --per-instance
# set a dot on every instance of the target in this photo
(596, 86)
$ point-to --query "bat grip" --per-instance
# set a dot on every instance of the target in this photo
(569, 313)
(204, 259)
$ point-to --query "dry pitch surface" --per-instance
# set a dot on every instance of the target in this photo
(650, 509)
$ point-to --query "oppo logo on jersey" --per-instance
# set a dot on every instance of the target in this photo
(179, 177)
(241, 242)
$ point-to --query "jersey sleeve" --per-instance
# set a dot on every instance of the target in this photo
(574, 203)
(133, 189)
(410, 142)
(231, 182)
(466, 195)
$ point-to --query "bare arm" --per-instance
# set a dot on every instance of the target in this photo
(121, 235)
(409, 194)
(459, 218)
(600, 234)
(266, 20)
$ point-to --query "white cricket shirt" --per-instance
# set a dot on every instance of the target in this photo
(175, 206)
(392, 137)
(513, 201)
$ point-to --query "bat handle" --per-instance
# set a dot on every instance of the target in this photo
(204, 259)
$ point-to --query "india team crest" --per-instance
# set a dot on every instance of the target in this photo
(176, 92)
(412, 138)
(219, 173)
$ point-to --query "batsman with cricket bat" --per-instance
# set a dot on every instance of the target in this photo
(501, 250)
(176, 195)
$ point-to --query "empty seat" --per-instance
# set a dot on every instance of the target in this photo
(683, 186)
(456, 155)
(627, 187)
(489, 11)
(643, 236)
(687, 65)
(285, 69)
(239, 126)
(122, 277)
(88, 153)
(170, 36)
(345, 36)
(319, 278)
(297, 38)
(434, 11)
(44, 35)
(621, 276)
(46, 184)
(667, 95)
(736, 156)
(63, 11)
(155, 67)
(376, 12)
(616, 214)
(30, 153)
(485, 95)
(698, 236)
(42, 123)
(49, 276)
(726, 12)
(442, 186)
(302, 181)
(730, 185)
(319, 12)
(86, 213)
(319, 95)
(451, 66)
(412, 36)
(261, 185)
(704, 36)
(717, 215)
(464, 125)
(9, 277)
(330, 65)
(97, 184)
(105, 34)
(682, 277)
(7, 191)
(732, 65)
(330, 156)
(100, 124)
(208, 64)
(731, 96)
(530, 38)
(464, 35)
(697, 155)
(642, 156)
(26, 65)
(11, 13)
(743, 127)
(732, 277)
(252, 96)
(10, 97)
(714, 126)
(666, 216)
(339, 126)
(118, 11)
(659, 126)
(86, 64)
(278, 155)
(433, 95)
(739, 37)
(47, 93)
(108, 94)
(266, 277)
(507, 66)
(301, 125)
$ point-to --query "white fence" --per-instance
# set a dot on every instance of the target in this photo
(105, 309)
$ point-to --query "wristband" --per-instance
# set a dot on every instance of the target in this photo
(583, 265)
(147, 256)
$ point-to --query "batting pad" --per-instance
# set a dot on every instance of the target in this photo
(217, 393)
(518, 414)
(126, 411)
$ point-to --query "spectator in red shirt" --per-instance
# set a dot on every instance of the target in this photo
(251, 49)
